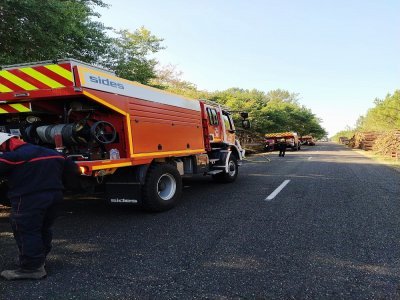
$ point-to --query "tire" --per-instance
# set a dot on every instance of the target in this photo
(230, 176)
(162, 189)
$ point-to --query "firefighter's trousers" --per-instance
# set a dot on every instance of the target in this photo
(32, 217)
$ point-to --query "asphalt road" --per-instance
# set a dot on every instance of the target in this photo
(333, 232)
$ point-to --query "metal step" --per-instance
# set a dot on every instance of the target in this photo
(213, 172)
(219, 167)
(123, 183)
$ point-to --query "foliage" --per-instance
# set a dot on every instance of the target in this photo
(384, 116)
(240, 99)
(283, 95)
(34, 30)
(348, 132)
(290, 116)
(169, 78)
(275, 111)
(128, 55)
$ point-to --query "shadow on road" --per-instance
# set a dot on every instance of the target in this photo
(333, 232)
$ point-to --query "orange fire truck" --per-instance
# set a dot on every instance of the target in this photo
(291, 140)
(134, 141)
(307, 140)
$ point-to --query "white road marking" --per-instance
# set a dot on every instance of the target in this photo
(309, 158)
(278, 190)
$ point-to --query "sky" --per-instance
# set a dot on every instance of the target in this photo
(338, 55)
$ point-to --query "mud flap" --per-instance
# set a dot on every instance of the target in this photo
(223, 157)
(125, 193)
(125, 186)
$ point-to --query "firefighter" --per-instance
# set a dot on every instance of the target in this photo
(282, 147)
(34, 175)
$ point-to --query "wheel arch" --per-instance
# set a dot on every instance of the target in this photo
(151, 190)
(235, 151)
(226, 154)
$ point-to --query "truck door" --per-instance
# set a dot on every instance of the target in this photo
(229, 128)
(214, 125)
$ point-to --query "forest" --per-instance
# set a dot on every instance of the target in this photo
(383, 117)
(381, 123)
(36, 30)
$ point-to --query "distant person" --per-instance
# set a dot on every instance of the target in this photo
(282, 147)
(267, 146)
(35, 190)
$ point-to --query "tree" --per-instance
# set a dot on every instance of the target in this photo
(170, 79)
(348, 133)
(384, 116)
(283, 95)
(275, 111)
(240, 99)
(34, 30)
(128, 55)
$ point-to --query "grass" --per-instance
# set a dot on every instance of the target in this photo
(391, 162)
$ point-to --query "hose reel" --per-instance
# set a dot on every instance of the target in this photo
(78, 133)
(103, 132)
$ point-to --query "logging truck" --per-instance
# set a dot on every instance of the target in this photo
(134, 141)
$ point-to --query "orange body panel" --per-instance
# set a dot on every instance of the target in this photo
(113, 100)
(157, 128)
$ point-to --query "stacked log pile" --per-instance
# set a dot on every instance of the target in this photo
(357, 140)
(382, 143)
(369, 139)
(364, 140)
(250, 141)
(344, 140)
(388, 144)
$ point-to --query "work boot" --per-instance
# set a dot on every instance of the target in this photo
(20, 273)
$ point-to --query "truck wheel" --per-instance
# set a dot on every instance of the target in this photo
(230, 176)
(162, 189)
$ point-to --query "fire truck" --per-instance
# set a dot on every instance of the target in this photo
(291, 140)
(307, 140)
(132, 141)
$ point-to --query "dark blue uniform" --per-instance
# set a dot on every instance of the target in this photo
(34, 176)
(282, 148)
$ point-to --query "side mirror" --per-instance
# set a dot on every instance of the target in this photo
(244, 115)
(246, 124)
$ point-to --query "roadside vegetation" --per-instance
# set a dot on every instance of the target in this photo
(379, 129)
(36, 30)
